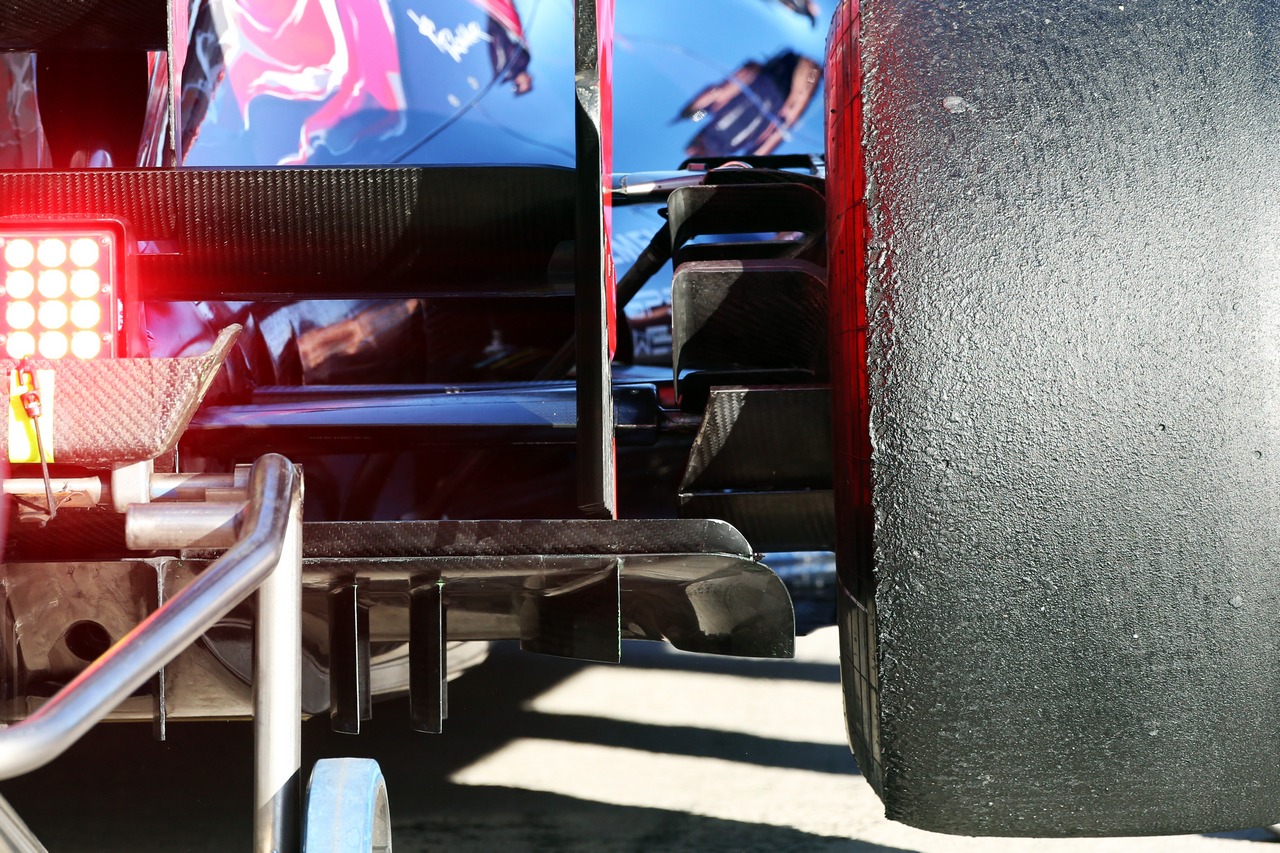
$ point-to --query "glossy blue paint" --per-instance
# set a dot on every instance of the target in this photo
(444, 81)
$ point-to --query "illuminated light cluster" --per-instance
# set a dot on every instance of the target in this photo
(52, 283)
(85, 284)
(19, 253)
(19, 284)
(85, 344)
(51, 252)
(58, 295)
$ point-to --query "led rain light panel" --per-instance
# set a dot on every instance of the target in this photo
(61, 291)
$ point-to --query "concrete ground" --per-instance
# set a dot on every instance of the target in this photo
(666, 752)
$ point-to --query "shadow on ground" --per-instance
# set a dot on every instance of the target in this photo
(120, 790)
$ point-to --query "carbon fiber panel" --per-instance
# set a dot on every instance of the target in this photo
(762, 438)
(701, 602)
(90, 24)
(753, 313)
(762, 462)
(74, 534)
(124, 410)
(772, 521)
(744, 209)
(377, 422)
(398, 539)
(322, 233)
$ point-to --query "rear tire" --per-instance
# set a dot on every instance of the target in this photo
(1054, 304)
(851, 437)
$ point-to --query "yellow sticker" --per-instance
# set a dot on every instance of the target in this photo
(22, 429)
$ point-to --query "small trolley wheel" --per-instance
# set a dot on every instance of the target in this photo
(347, 808)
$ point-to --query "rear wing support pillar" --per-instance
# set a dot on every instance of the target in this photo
(594, 276)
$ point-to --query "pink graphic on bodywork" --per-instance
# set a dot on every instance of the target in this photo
(341, 52)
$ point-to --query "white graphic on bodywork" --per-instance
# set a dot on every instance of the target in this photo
(455, 43)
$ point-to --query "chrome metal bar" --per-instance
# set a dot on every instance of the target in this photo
(15, 836)
(160, 721)
(649, 187)
(164, 634)
(277, 697)
(193, 487)
(34, 493)
(90, 487)
(169, 525)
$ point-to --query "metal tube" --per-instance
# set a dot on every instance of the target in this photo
(15, 836)
(149, 527)
(277, 697)
(650, 187)
(164, 634)
(192, 487)
(71, 491)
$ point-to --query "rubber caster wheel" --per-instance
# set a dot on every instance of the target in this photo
(347, 808)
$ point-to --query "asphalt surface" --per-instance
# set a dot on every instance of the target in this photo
(665, 752)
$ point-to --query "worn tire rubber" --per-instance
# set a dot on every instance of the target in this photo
(1056, 285)
(347, 808)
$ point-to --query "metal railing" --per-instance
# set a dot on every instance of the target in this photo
(267, 554)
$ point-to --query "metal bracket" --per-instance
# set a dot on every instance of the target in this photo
(350, 697)
(131, 484)
(428, 657)
(160, 722)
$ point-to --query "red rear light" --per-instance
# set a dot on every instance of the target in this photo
(61, 289)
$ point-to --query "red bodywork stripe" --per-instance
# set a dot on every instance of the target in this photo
(604, 26)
